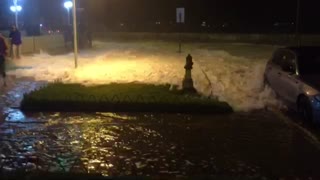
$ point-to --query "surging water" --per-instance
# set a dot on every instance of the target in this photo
(236, 79)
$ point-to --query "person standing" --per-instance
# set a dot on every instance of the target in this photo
(3, 53)
(16, 42)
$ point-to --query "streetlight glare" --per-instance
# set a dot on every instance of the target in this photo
(19, 8)
(68, 4)
(15, 8)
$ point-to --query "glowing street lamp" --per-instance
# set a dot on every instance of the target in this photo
(68, 5)
(16, 9)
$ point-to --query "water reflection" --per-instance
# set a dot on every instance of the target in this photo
(249, 144)
(13, 115)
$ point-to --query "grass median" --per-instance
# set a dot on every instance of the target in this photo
(129, 97)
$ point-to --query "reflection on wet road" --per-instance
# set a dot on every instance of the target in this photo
(252, 144)
(247, 144)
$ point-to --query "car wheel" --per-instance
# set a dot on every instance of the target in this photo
(305, 109)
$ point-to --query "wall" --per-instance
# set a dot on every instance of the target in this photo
(277, 39)
(35, 44)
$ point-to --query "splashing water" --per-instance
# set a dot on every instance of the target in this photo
(235, 79)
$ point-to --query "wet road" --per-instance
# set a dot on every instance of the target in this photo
(255, 144)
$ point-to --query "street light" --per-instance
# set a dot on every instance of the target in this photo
(16, 9)
(75, 33)
(68, 5)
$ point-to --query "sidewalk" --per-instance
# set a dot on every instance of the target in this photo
(12, 94)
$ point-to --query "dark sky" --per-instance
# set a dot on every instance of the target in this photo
(241, 12)
(215, 11)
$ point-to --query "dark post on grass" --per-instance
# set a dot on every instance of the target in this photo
(187, 83)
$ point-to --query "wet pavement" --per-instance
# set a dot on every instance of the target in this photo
(255, 144)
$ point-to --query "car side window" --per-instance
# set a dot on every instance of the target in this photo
(288, 62)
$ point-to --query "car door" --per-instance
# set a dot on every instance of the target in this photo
(274, 71)
(288, 79)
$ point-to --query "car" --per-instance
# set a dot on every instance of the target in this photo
(293, 73)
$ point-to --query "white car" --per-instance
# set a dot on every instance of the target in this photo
(294, 74)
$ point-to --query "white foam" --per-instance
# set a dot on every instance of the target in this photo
(234, 79)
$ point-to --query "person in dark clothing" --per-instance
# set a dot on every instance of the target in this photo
(16, 42)
(3, 53)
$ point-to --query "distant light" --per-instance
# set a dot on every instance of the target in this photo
(41, 25)
(15, 8)
(68, 4)
(225, 25)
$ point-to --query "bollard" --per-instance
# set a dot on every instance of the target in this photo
(187, 84)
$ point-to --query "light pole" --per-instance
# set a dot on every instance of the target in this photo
(68, 5)
(16, 9)
(75, 33)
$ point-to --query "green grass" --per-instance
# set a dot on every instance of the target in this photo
(119, 98)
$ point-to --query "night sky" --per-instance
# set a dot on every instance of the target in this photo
(239, 14)
(255, 14)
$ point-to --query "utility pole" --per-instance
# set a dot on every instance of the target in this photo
(15, 3)
(298, 19)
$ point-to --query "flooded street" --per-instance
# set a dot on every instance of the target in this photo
(256, 143)
(252, 144)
